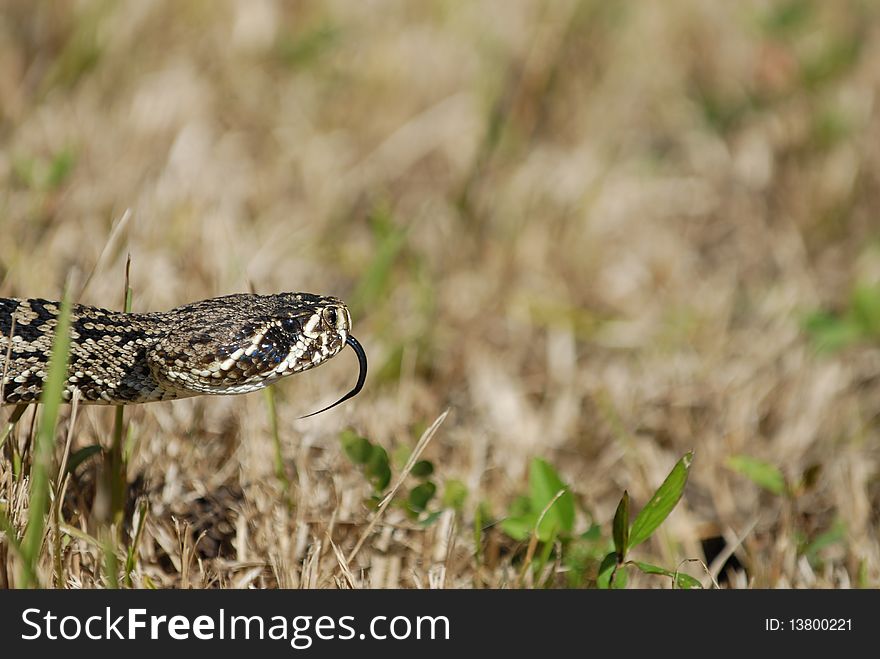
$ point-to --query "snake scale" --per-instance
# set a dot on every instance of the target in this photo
(225, 345)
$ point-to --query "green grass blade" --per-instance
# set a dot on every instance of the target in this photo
(620, 527)
(280, 471)
(116, 467)
(759, 472)
(647, 568)
(680, 579)
(132, 557)
(45, 446)
(662, 503)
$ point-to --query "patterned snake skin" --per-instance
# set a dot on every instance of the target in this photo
(226, 345)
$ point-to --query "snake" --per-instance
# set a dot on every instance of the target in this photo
(232, 344)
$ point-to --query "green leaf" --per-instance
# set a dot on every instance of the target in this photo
(687, 582)
(647, 568)
(620, 527)
(454, 494)
(380, 476)
(544, 486)
(377, 468)
(519, 527)
(357, 448)
(759, 472)
(524, 513)
(420, 495)
(422, 469)
(830, 332)
(606, 568)
(547, 528)
(661, 504)
(592, 534)
(400, 455)
(520, 506)
(430, 519)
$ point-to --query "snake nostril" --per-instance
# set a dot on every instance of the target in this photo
(331, 316)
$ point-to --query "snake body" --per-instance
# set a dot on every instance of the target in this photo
(225, 345)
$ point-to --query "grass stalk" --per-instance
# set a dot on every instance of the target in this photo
(280, 471)
(45, 447)
(413, 458)
(116, 474)
(117, 469)
(58, 497)
(132, 556)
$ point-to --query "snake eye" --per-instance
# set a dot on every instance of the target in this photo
(330, 316)
(290, 325)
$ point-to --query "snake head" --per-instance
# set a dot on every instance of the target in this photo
(214, 349)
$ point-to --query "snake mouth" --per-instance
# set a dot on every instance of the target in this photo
(362, 375)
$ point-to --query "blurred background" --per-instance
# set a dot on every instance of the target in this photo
(601, 233)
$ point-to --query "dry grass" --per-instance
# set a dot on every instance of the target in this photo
(592, 230)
